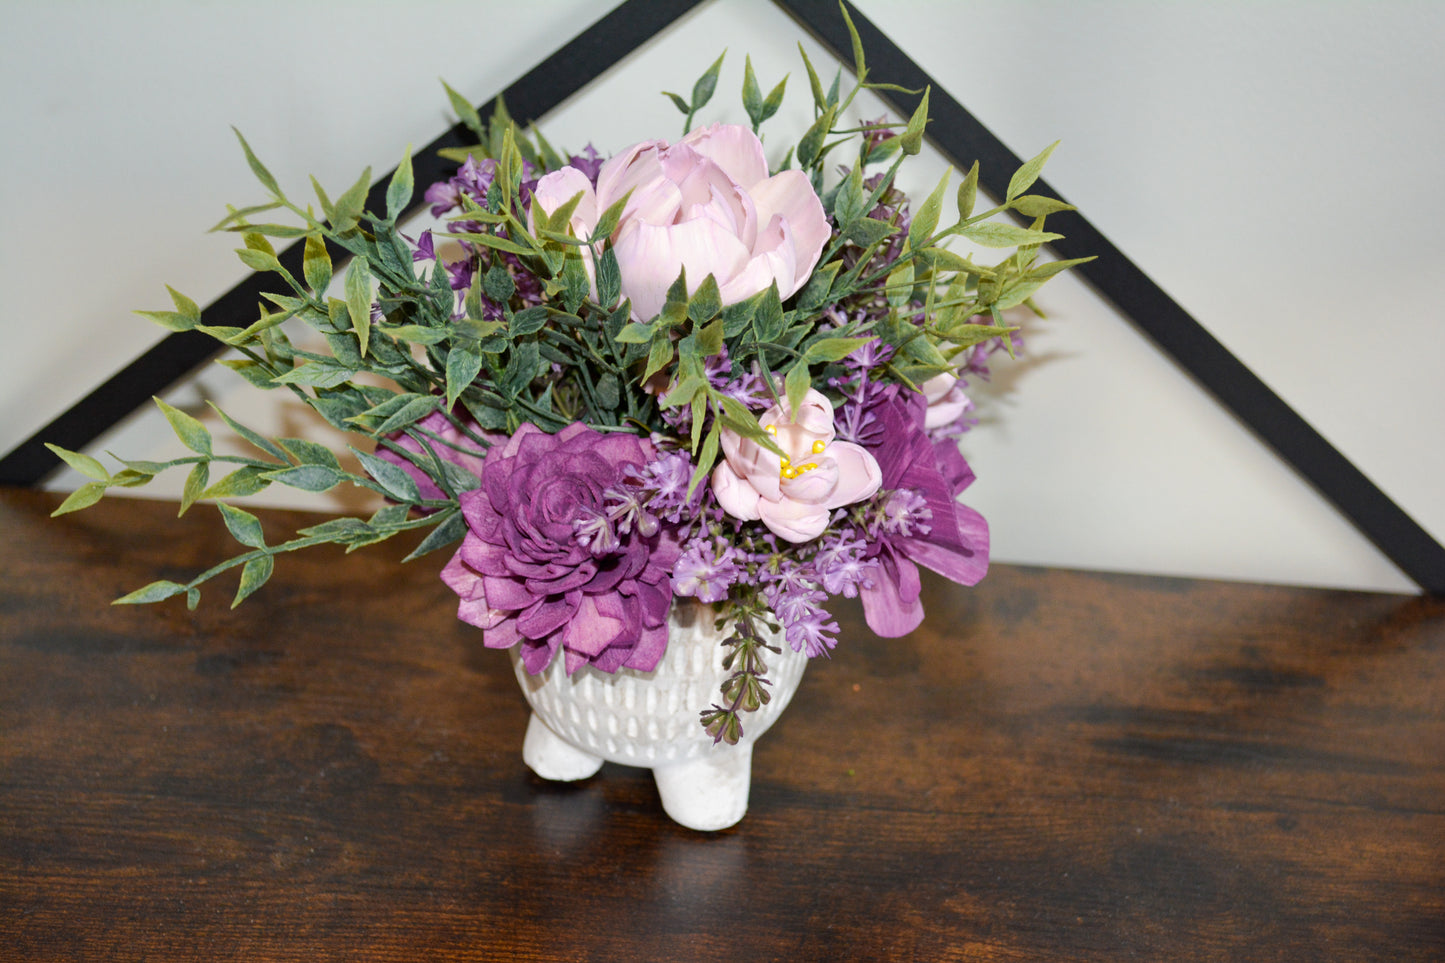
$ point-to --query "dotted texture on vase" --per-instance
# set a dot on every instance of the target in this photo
(651, 718)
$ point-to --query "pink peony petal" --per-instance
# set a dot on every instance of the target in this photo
(736, 496)
(559, 187)
(790, 194)
(793, 521)
(735, 149)
(858, 474)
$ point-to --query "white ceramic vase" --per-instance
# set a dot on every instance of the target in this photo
(650, 719)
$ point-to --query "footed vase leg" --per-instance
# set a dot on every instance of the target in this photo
(709, 793)
(551, 757)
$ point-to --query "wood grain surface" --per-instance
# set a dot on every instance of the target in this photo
(1058, 766)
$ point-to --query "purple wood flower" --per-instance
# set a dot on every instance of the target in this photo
(955, 544)
(525, 579)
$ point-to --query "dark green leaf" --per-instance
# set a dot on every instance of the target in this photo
(308, 478)
(395, 479)
(528, 321)
(768, 322)
(316, 374)
(464, 362)
(451, 528)
(702, 90)
(465, 111)
(409, 414)
(833, 349)
(250, 436)
(498, 284)
(705, 302)
(867, 231)
(815, 292)
(677, 102)
(609, 278)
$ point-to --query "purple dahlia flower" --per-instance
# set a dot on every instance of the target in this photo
(525, 579)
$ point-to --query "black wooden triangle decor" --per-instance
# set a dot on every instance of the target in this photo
(961, 138)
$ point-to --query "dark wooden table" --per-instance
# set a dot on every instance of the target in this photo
(1059, 765)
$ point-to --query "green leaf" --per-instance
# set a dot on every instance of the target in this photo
(1039, 205)
(527, 321)
(409, 414)
(815, 292)
(358, 300)
(867, 231)
(316, 264)
(391, 477)
(811, 144)
(82, 463)
(609, 278)
(768, 322)
(860, 69)
(250, 436)
(994, 234)
(191, 432)
(83, 497)
(705, 302)
(451, 528)
(968, 193)
(752, 93)
(349, 205)
(258, 260)
(635, 333)
(658, 357)
(243, 526)
(1025, 176)
(498, 284)
(797, 384)
(833, 349)
(308, 452)
(820, 99)
(926, 217)
(253, 575)
(705, 459)
(702, 90)
(173, 320)
(316, 374)
(900, 285)
(195, 484)
(464, 362)
(257, 168)
(911, 140)
(677, 101)
(307, 478)
(710, 338)
(154, 592)
(464, 109)
(241, 483)
(398, 191)
(848, 202)
(187, 308)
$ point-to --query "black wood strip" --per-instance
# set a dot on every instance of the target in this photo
(960, 136)
(552, 81)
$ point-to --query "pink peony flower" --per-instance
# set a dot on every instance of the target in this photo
(525, 579)
(793, 496)
(946, 400)
(705, 204)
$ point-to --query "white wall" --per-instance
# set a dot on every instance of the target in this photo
(1271, 165)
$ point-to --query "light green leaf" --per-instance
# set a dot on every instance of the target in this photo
(399, 190)
(308, 478)
(195, 484)
(995, 234)
(1025, 176)
(797, 384)
(83, 497)
(358, 300)
(257, 168)
(1039, 205)
(911, 141)
(464, 362)
(316, 264)
(308, 452)
(154, 592)
(968, 193)
(705, 302)
(243, 526)
(253, 575)
(241, 483)
(833, 349)
(191, 432)
(926, 218)
(258, 260)
(82, 463)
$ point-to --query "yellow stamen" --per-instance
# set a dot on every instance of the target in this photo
(818, 447)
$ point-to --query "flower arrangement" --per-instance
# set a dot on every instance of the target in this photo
(678, 372)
